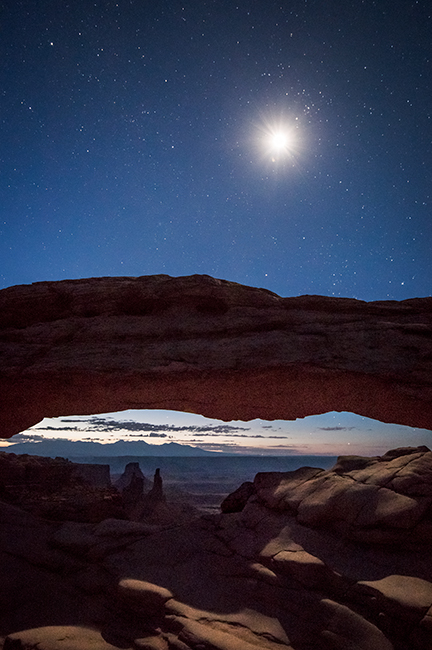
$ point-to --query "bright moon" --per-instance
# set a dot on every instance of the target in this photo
(279, 141)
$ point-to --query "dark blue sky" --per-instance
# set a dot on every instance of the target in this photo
(132, 143)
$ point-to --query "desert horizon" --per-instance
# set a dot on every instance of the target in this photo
(330, 434)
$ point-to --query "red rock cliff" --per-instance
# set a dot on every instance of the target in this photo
(211, 347)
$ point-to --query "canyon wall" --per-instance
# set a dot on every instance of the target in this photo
(209, 346)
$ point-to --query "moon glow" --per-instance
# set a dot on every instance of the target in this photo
(278, 141)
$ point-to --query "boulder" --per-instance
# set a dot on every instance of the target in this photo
(236, 501)
(385, 499)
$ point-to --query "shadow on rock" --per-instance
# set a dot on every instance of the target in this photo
(303, 560)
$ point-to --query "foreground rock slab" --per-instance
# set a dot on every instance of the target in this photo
(58, 638)
(264, 576)
(209, 346)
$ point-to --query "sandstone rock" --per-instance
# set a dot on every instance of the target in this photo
(400, 596)
(347, 630)
(58, 638)
(131, 470)
(151, 643)
(118, 528)
(283, 490)
(45, 475)
(282, 543)
(427, 621)
(146, 598)
(257, 578)
(236, 501)
(93, 474)
(209, 346)
(156, 494)
(383, 500)
(416, 479)
(263, 625)
(174, 642)
(199, 635)
(74, 537)
(422, 636)
(382, 470)
(139, 506)
(93, 542)
(388, 508)
(57, 488)
(131, 485)
(308, 570)
(333, 498)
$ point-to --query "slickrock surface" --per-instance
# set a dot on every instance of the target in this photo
(265, 577)
(209, 346)
(385, 500)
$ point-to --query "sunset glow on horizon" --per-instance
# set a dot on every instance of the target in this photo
(331, 434)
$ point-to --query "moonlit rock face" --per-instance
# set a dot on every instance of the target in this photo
(208, 346)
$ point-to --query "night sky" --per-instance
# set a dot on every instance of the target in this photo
(284, 145)
(136, 138)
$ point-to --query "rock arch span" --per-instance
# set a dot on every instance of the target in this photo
(209, 346)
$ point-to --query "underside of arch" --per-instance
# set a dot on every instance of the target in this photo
(211, 347)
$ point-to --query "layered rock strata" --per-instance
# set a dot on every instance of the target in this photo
(209, 346)
(59, 489)
(265, 577)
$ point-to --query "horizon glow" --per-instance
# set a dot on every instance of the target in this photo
(331, 434)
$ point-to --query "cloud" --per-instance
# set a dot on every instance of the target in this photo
(105, 424)
(49, 428)
(235, 449)
(152, 434)
(336, 428)
(27, 437)
(239, 435)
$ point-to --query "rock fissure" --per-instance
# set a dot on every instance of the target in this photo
(403, 469)
(233, 627)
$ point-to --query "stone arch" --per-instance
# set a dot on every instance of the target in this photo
(208, 346)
